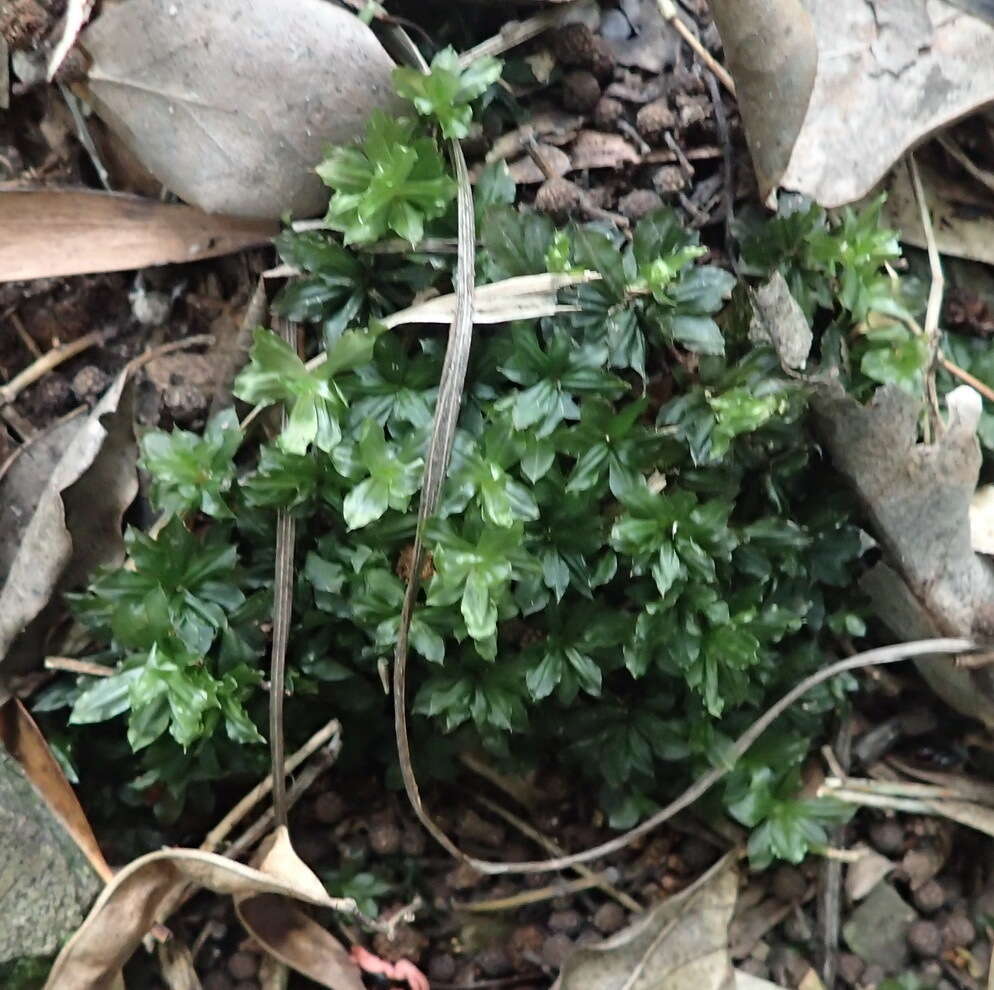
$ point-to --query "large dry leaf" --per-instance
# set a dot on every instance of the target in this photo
(75, 526)
(230, 104)
(771, 51)
(51, 232)
(931, 582)
(962, 215)
(680, 945)
(130, 904)
(887, 76)
(23, 740)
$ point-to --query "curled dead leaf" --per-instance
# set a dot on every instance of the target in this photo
(597, 149)
(231, 104)
(129, 905)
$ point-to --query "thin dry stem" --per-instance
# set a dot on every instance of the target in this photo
(669, 11)
(78, 666)
(327, 733)
(964, 376)
(513, 34)
(536, 896)
(44, 364)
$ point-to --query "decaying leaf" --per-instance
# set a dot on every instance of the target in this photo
(526, 172)
(682, 944)
(596, 149)
(771, 51)
(918, 497)
(23, 740)
(778, 320)
(864, 875)
(231, 104)
(654, 44)
(130, 904)
(887, 76)
(551, 126)
(962, 214)
(525, 297)
(52, 232)
(75, 526)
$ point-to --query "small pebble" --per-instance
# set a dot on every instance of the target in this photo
(581, 91)
(614, 25)
(931, 972)
(384, 838)
(796, 927)
(887, 837)
(567, 922)
(89, 382)
(873, 975)
(494, 961)
(654, 120)
(958, 931)
(243, 966)
(850, 968)
(925, 939)
(473, 826)
(525, 944)
(696, 854)
(329, 808)
(442, 967)
(53, 393)
(463, 877)
(787, 966)
(668, 179)
(789, 884)
(556, 949)
(607, 112)
(185, 402)
(609, 918)
(929, 897)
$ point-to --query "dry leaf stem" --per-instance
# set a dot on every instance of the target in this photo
(670, 13)
(514, 33)
(964, 376)
(52, 359)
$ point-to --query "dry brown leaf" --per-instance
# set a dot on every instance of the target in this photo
(176, 965)
(596, 149)
(526, 172)
(771, 51)
(888, 75)
(962, 215)
(552, 126)
(23, 740)
(863, 875)
(231, 104)
(525, 297)
(682, 944)
(778, 320)
(299, 942)
(129, 905)
(52, 232)
(75, 526)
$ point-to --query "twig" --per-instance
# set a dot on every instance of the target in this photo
(625, 900)
(29, 342)
(320, 762)
(955, 151)
(78, 666)
(85, 138)
(18, 423)
(884, 654)
(682, 160)
(964, 376)
(670, 13)
(44, 364)
(328, 733)
(513, 33)
(197, 340)
(727, 166)
(936, 289)
(282, 610)
(537, 896)
(829, 905)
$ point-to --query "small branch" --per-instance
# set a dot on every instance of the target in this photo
(670, 13)
(964, 376)
(513, 34)
(537, 896)
(44, 364)
(75, 666)
(956, 152)
(328, 733)
(197, 340)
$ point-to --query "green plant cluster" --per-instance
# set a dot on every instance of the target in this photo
(627, 566)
